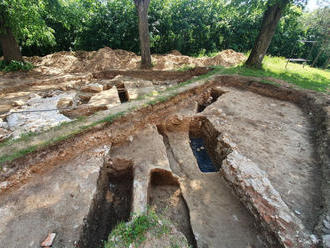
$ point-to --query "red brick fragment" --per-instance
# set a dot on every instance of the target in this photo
(48, 242)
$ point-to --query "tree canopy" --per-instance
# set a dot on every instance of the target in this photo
(26, 19)
(194, 27)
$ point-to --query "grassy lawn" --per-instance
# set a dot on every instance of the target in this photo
(305, 77)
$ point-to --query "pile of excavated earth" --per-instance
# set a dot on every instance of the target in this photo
(73, 83)
(228, 160)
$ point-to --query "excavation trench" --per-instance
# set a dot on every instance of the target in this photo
(166, 199)
(207, 145)
(208, 98)
(122, 93)
(111, 205)
(112, 202)
(178, 76)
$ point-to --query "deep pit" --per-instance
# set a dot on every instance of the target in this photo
(201, 154)
(207, 146)
(122, 93)
(212, 95)
(166, 199)
(112, 203)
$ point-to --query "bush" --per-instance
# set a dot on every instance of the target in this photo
(15, 66)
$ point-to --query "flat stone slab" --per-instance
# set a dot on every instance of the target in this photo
(108, 98)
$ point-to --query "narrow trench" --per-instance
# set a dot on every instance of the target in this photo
(111, 205)
(212, 96)
(207, 148)
(175, 167)
(165, 197)
(122, 92)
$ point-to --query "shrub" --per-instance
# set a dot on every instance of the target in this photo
(15, 66)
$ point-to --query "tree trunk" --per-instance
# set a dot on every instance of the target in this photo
(317, 57)
(269, 23)
(325, 66)
(10, 48)
(142, 9)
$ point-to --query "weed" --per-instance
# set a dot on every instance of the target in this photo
(134, 232)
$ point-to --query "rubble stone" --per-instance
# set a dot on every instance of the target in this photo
(93, 88)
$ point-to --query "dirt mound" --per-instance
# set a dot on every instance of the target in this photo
(226, 58)
(109, 59)
(175, 52)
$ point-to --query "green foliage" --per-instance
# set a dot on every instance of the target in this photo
(134, 232)
(317, 26)
(194, 27)
(25, 19)
(114, 24)
(15, 66)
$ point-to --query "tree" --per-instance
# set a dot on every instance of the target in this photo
(142, 10)
(21, 20)
(318, 25)
(8, 42)
(270, 20)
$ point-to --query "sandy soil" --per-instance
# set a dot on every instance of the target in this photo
(109, 59)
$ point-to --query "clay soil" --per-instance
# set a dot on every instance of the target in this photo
(63, 189)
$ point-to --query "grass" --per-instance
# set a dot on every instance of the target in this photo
(304, 77)
(134, 232)
(186, 67)
(27, 136)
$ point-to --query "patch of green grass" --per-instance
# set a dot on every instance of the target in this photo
(185, 68)
(216, 70)
(15, 66)
(134, 232)
(304, 77)
(27, 136)
(23, 137)
(18, 154)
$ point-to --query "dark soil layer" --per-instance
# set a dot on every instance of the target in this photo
(111, 206)
(203, 159)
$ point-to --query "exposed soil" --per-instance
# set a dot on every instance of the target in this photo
(166, 199)
(112, 204)
(151, 161)
(109, 59)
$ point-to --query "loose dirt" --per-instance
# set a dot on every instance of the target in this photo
(76, 188)
(109, 59)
